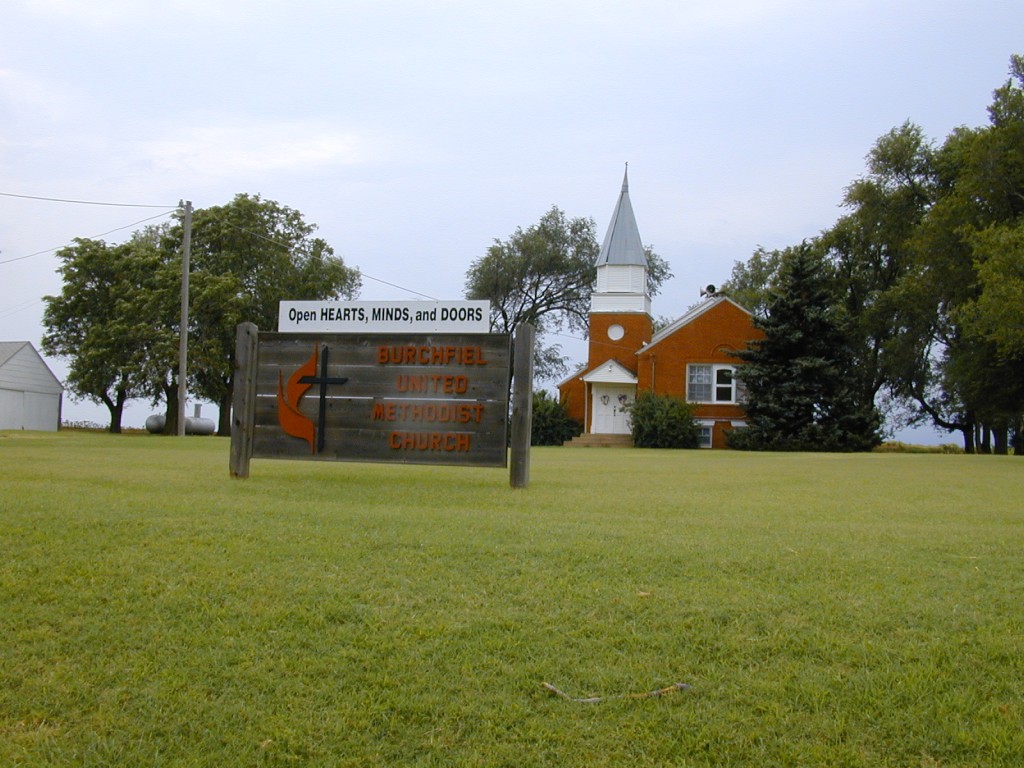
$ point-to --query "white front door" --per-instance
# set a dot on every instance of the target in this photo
(609, 417)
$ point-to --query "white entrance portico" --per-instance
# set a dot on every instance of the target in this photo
(612, 388)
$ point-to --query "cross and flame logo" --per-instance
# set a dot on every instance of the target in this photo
(293, 422)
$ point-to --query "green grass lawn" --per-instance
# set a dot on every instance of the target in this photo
(827, 610)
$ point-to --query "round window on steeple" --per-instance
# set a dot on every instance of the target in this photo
(616, 332)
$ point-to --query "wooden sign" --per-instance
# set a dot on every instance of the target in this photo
(435, 399)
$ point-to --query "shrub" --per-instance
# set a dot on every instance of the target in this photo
(663, 421)
(898, 447)
(90, 426)
(551, 424)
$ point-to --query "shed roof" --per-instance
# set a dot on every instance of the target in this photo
(9, 349)
(37, 369)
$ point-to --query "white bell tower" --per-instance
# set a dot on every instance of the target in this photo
(621, 265)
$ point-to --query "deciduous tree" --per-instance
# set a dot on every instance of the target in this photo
(249, 255)
(749, 281)
(925, 273)
(870, 250)
(544, 275)
(98, 322)
(951, 299)
(117, 318)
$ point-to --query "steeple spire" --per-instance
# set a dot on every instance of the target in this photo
(622, 245)
(621, 284)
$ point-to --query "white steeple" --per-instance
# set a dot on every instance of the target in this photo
(621, 264)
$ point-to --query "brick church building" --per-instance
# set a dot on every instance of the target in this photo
(689, 358)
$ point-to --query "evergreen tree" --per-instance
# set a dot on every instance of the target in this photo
(800, 385)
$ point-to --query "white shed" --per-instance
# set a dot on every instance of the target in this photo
(30, 395)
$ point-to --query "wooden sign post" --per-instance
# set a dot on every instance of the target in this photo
(422, 399)
(522, 406)
(243, 399)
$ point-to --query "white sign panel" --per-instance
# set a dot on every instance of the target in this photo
(384, 316)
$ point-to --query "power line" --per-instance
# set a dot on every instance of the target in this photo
(8, 311)
(80, 202)
(399, 287)
(165, 213)
(361, 273)
(93, 237)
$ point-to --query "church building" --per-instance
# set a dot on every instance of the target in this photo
(689, 358)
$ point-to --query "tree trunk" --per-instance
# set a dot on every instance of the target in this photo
(224, 418)
(965, 426)
(116, 408)
(985, 441)
(171, 415)
(1000, 444)
(968, 433)
(1018, 438)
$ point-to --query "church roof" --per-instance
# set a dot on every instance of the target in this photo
(622, 245)
(689, 317)
(611, 372)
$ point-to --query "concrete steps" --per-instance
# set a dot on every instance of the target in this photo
(601, 441)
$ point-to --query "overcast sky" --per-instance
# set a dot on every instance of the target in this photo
(415, 133)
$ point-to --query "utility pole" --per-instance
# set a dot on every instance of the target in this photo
(186, 255)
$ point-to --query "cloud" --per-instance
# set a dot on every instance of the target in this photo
(656, 17)
(643, 19)
(245, 147)
(34, 98)
(99, 14)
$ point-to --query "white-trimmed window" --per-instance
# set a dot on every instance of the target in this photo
(706, 383)
(704, 429)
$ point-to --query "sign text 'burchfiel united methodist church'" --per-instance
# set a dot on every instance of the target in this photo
(430, 399)
(417, 382)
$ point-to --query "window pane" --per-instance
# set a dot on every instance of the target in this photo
(698, 387)
(705, 437)
(723, 385)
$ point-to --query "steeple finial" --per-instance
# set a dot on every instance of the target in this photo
(625, 178)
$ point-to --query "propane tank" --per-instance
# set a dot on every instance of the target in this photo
(194, 425)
